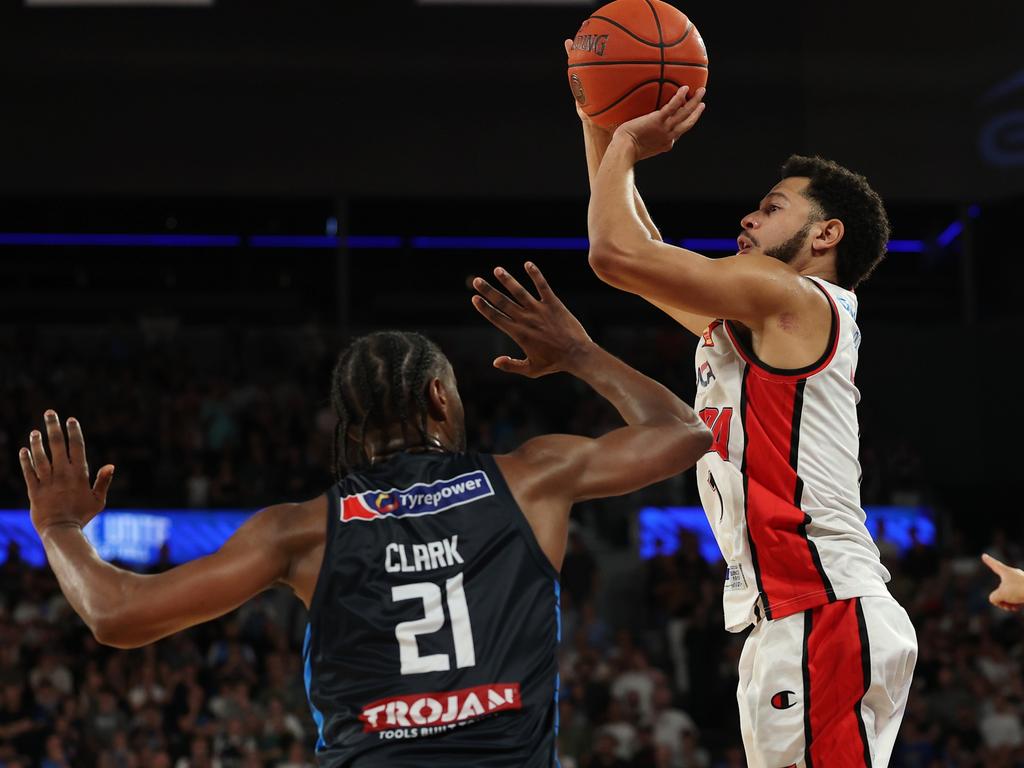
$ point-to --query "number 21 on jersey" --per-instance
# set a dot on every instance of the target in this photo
(433, 621)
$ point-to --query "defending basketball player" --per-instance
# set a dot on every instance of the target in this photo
(826, 671)
(430, 573)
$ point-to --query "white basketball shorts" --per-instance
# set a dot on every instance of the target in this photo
(827, 687)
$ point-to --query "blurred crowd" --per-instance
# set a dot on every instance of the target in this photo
(231, 417)
(658, 692)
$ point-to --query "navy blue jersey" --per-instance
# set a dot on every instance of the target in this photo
(434, 624)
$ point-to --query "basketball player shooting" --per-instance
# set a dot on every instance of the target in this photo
(430, 572)
(826, 671)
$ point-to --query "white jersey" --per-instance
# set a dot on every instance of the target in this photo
(781, 483)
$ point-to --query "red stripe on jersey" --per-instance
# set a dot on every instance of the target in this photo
(790, 576)
(838, 673)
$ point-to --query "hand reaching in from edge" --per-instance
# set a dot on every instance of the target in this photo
(1009, 595)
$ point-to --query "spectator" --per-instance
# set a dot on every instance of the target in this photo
(670, 724)
(1001, 725)
(199, 756)
(55, 756)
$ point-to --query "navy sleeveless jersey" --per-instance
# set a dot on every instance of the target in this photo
(435, 621)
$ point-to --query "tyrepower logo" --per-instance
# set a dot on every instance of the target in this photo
(433, 712)
(418, 499)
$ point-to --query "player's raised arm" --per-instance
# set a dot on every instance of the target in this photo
(663, 435)
(749, 287)
(595, 142)
(126, 609)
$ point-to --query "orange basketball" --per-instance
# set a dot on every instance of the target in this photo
(631, 56)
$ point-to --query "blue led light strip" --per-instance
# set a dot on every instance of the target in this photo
(385, 242)
(502, 243)
(119, 240)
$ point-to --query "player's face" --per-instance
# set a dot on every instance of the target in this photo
(780, 225)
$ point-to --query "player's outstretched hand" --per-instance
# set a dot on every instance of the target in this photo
(548, 333)
(1009, 595)
(58, 485)
(657, 131)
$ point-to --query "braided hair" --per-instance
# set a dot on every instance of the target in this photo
(379, 381)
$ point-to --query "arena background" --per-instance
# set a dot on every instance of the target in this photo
(199, 205)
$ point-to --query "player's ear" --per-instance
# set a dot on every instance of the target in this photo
(828, 237)
(437, 400)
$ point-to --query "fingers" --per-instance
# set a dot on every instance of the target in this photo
(76, 447)
(677, 102)
(687, 124)
(27, 469)
(686, 109)
(999, 600)
(499, 320)
(515, 289)
(510, 365)
(39, 460)
(543, 289)
(496, 298)
(55, 436)
(998, 567)
(103, 479)
(568, 45)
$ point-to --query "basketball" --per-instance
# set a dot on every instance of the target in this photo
(631, 56)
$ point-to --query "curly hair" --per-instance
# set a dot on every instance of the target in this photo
(839, 193)
(379, 381)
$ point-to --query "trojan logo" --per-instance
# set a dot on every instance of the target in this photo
(430, 713)
(783, 700)
(418, 499)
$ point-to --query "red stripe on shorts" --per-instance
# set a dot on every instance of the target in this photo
(837, 670)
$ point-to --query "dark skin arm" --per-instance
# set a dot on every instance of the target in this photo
(276, 546)
(547, 475)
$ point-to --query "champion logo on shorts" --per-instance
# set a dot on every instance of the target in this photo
(784, 700)
(418, 499)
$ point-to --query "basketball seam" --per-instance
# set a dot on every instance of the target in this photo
(614, 23)
(628, 93)
(613, 63)
(686, 34)
(661, 50)
(673, 82)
